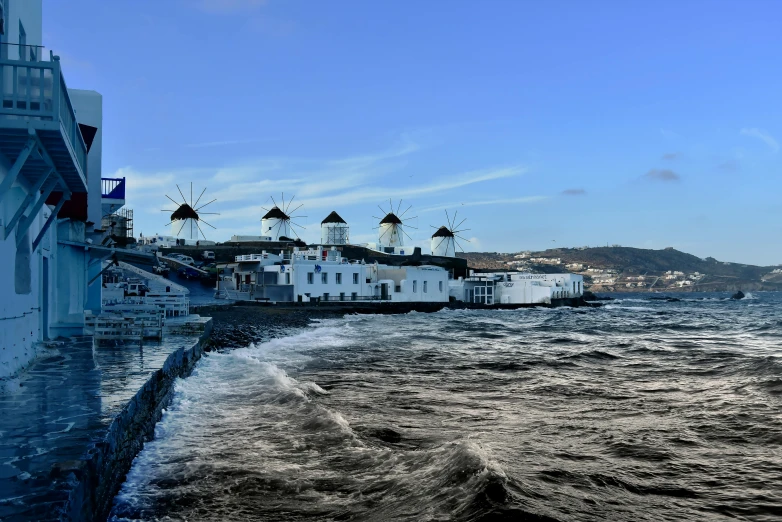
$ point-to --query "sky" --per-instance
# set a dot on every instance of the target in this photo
(544, 124)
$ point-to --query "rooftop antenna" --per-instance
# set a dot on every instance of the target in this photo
(189, 214)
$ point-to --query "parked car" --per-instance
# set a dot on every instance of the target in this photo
(208, 255)
(187, 272)
(162, 269)
(186, 260)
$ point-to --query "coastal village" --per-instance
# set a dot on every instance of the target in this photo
(624, 269)
(83, 297)
(98, 323)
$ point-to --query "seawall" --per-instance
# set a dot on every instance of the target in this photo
(93, 482)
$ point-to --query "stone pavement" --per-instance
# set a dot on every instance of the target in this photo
(58, 408)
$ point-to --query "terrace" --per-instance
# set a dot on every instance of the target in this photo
(39, 134)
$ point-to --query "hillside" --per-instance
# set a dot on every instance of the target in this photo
(624, 268)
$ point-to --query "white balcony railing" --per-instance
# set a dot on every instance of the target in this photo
(34, 88)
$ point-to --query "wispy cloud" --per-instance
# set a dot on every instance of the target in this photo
(349, 198)
(762, 135)
(662, 175)
(505, 201)
(671, 156)
(574, 192)
(229, 6)
(352, 184)
(223, 143)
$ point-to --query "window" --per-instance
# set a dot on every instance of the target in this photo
(440, 284)
(342, 296)
(310, 278)
(425, 284)
(355, 278)
(398, 288)
(338, 277)
(324, 278)
(288, 278)
(415, 286)
(353, 295)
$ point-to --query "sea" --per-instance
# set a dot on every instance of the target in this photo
(647, 408)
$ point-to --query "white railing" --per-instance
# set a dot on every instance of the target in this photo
(126, 322)
(36, 89)
(251, 257)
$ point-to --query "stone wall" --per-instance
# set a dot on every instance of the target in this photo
(93, 482)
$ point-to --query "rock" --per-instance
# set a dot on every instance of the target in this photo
(589, 296)
(738, 295)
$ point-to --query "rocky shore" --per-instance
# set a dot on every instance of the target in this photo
(239, 324)
(236, 326)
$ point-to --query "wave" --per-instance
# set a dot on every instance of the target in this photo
(594, 355)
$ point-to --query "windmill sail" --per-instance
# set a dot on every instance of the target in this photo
(445, 239)
(187, 218)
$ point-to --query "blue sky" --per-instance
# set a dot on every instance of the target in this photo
(646, 124)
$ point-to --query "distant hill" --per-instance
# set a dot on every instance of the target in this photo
(627, 263)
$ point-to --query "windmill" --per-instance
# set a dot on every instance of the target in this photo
(444, 241)
(278, 222)
(185, 219)
(392, 227)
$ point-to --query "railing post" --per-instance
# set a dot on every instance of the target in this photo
(56, 83)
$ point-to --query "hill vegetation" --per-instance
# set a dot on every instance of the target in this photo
(625, 264)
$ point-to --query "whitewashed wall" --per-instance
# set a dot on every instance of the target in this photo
(88, 106)
(20, 282)
(30, 12)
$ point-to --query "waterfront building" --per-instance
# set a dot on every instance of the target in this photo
(515, 288)
(322, 274)
(52, 196)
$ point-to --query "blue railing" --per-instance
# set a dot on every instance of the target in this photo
(35, 89)
(112, 188)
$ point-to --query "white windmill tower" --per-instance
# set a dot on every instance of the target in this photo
(334, 230)
(185, 219)
(392, 227)
(278, 223)
(444, 241)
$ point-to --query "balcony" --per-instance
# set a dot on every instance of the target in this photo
(39, 133)
(112, 194)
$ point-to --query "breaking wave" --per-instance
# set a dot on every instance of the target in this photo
(664, 410)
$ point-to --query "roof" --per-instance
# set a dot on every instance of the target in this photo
(333, 218)
(391, 218)
(443, 232)
(275, 213)
(184, 211)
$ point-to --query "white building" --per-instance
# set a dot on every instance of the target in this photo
(52, 196)
(323, 274)
(516, 288)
